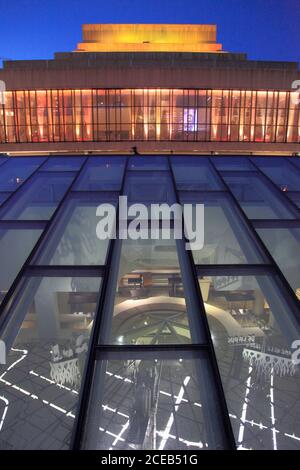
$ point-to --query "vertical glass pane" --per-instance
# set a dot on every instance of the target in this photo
(15, 247)
(152, 403)
(38, 200)
(284, 246)
(253, 328)
(47, 334)
(256, 198)
(226, 238)
(194, 174)
(101, 174)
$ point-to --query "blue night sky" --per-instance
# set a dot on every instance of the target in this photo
(265, 29)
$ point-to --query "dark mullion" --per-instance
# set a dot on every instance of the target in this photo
(48, 226)
(166, 351)
(292, 299)
(22, 185)
(275, 223)
(82, 407)
(64, 271)
(231, 443)
(22, 224)
(234, 269)
(277, 191)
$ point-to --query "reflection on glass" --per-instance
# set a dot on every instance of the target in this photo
(15, 247)
(148, 164)
(101, 174)
(194, 174)
(233, 163)
(66, 163)
(16, 170)
(154, 404)
(47, 335)
(256, 198)
(284, 246)
(38, 200)
(252, 329)
(281, 172)
(153, 187)
(226, 238)
(295, 197)
(73, 240)
(3, 197)
(149, 306)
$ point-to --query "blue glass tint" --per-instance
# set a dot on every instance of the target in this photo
(227, 239)
(73, 240)
(16, 170)
(253, 328)
(154, 187)
(63, 163)
(154, 401)
(2, 160)
(294, 196)
(3, 197)
(194, 173)
(148, 163)
(233, 163)
(101, 174)
(284, 246)
(46, 331)
(15, 247)
(257, 200)
(281, 172)
(39, 199)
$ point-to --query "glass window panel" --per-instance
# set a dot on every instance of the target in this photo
(149, 305)
(47, 333)
(73, 239)
(66, 163)
(157, 404)
(15, 247)
(252, 328)
(102, 174)
(152, 163)
(284, 246)
(295, 197)
(256, 198)
(280, 172)
(16, 170)
(229, 163)
(3, 197)
(153, 187)
(226, 238)
(38, 200)
(194, 174)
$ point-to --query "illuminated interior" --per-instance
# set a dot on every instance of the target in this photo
(150, 115)
(149, 38)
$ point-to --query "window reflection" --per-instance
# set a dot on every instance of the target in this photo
(47, 335)
(15, 247)
(73, 240)
(252, 329)
(284, 246)
(152, 403)
(226, 237)
(149, 305)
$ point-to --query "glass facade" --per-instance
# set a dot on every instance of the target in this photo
(150, 115)
(139, 343)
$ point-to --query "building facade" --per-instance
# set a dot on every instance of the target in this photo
(141, 343)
